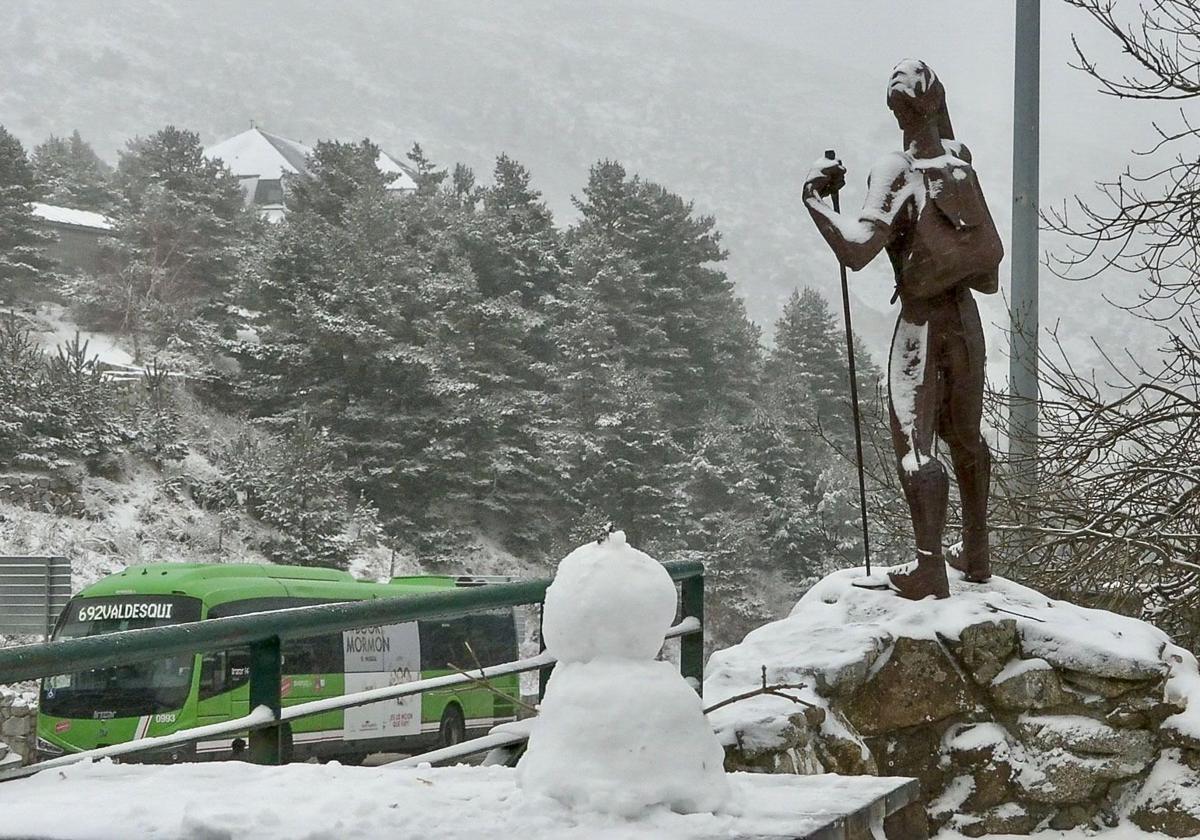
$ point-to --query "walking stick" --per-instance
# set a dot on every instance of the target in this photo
(862, 485)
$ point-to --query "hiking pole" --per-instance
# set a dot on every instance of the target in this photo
(862, 484)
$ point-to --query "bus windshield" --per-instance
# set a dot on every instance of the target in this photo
(137, 688)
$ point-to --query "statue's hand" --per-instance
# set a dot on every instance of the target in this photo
(825, 177)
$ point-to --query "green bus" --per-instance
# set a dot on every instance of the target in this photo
(114, 705)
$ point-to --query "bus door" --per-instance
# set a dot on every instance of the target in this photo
(222, 693)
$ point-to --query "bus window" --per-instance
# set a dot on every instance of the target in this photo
(223, 671)
(313, 655)
(491, 637)
(135, 688)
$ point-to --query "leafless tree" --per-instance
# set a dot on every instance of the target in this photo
(1115, 516)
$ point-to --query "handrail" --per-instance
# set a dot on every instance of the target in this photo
(259, 717)
(263, 717)
(262, 633)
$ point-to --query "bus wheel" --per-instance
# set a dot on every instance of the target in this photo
(453, 729)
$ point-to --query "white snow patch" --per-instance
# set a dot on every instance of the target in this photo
(906, 372)
(975, 736)
(57, 328)
(952, 798)
(1183, 685)
(332, 802)
(71, 216)
(1020, 666)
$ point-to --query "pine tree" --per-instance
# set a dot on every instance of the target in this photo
(71, 174)
(806, 371)
(701, 340)
(428, 177)
(158, 426)
(301, 495)
(182, 229)
(54, 410)
(22, 258)
(516, 247)
(807, 391)
(345, 298)
(338, 175)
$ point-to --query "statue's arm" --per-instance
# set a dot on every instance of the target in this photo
(857, 240)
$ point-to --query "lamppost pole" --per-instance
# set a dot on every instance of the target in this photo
(1023, 363)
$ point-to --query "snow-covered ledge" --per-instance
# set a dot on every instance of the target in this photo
(1014, 710)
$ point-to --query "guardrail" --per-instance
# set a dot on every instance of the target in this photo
(263, 632)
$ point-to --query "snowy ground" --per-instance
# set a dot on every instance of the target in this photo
(319, 802)
(1122, 832)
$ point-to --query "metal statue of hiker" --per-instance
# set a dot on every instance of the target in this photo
(925, 208)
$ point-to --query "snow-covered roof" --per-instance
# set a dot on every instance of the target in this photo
(404, 176)
(255, 153)
(71, 216)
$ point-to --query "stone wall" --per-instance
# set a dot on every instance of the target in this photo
(41, 492)
(18, 725)
(1061, 717)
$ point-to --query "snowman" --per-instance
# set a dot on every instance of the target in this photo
(618, 732)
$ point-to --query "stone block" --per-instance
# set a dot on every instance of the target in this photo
(912, 752)
(1170, 800)
(984, 648)
(1111, 687)
(844, 679)
(1028, 684)
(917, 685)
(1009, 818)
(1088, 737)
(18, 726)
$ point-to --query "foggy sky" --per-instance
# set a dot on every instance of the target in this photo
(844, 50)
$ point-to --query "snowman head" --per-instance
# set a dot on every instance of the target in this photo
(608, 600)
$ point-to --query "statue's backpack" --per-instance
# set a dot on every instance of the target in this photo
(954, 239)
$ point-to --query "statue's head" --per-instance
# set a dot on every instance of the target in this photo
(916, 96)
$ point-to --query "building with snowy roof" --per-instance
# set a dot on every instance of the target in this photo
(262, 161)
(80, 236)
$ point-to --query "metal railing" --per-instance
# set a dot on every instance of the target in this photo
(262, 633)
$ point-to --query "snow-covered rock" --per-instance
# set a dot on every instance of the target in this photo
(617, 731)
(1015, 710)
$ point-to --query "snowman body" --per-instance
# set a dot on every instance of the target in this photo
(618, 731)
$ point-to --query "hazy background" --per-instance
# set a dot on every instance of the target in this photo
(726, 103)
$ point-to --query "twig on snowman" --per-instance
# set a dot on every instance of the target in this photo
(774, 690)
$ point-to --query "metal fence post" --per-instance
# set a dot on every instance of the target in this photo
(543, 673)
(691, 646)
(49, 621)
(266, 744)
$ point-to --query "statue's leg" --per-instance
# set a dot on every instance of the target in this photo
(914, 396)
(960, 428)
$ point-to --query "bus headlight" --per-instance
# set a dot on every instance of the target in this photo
(47, 750)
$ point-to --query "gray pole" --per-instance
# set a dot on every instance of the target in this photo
(1023, 365)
